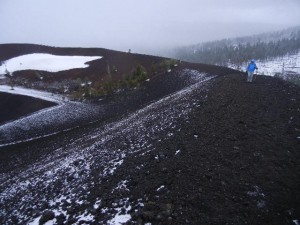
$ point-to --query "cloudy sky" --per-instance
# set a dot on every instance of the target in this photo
(141, 25)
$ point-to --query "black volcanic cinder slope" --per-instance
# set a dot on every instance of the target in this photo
(14, 106)
(217, 152)
(235, 161)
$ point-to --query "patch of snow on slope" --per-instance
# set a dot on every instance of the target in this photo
(121, 218)
(288, 63)
(45, 62)
(32, 93)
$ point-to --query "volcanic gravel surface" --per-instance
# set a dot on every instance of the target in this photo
(20, 105)
(186, 148)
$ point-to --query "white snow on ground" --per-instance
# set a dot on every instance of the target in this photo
(120, 218)
(45, 62)
(85, 217)
(286, 64)
(32, 93)
(122, 185)
(296, 222)
(177, 152)
(35, 221)
(160, 188)
(68, 168)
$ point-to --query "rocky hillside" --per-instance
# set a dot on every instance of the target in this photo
(197, 145)
(113, 72)
(194, 144)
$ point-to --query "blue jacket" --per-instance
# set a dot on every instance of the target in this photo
(251, 67)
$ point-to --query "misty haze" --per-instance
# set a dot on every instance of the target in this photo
(143, 26)
(149, 112)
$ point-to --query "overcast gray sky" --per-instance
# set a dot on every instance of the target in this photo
(141, 25)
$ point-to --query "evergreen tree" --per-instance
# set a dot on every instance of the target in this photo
(239, 50)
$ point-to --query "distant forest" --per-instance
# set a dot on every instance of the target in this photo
(239, 50)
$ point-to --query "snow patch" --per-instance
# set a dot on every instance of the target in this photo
(296, 222)
(85, 217)
(45, 62)
(35, 221)
(121, 218)
(160, 188)
(112, 168)
(122, 185)
(97, 204)
(50, 222)
(271, 67)
(33, 93)
(177, 152)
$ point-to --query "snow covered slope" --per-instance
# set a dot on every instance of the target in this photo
(45, 62)
(281, 65)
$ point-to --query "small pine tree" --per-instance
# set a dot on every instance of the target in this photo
(7, 73)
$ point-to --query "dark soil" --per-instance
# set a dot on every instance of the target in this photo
(235, 160)
(238, 160)
(116, 106)
(15, 106)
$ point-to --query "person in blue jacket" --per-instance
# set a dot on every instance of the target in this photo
(250, 70)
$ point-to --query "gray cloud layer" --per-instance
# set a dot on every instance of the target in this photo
(140, 24)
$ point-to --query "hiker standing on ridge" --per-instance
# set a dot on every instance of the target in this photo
(250, 70)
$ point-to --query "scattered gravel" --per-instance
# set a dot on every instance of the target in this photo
(204, 150)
